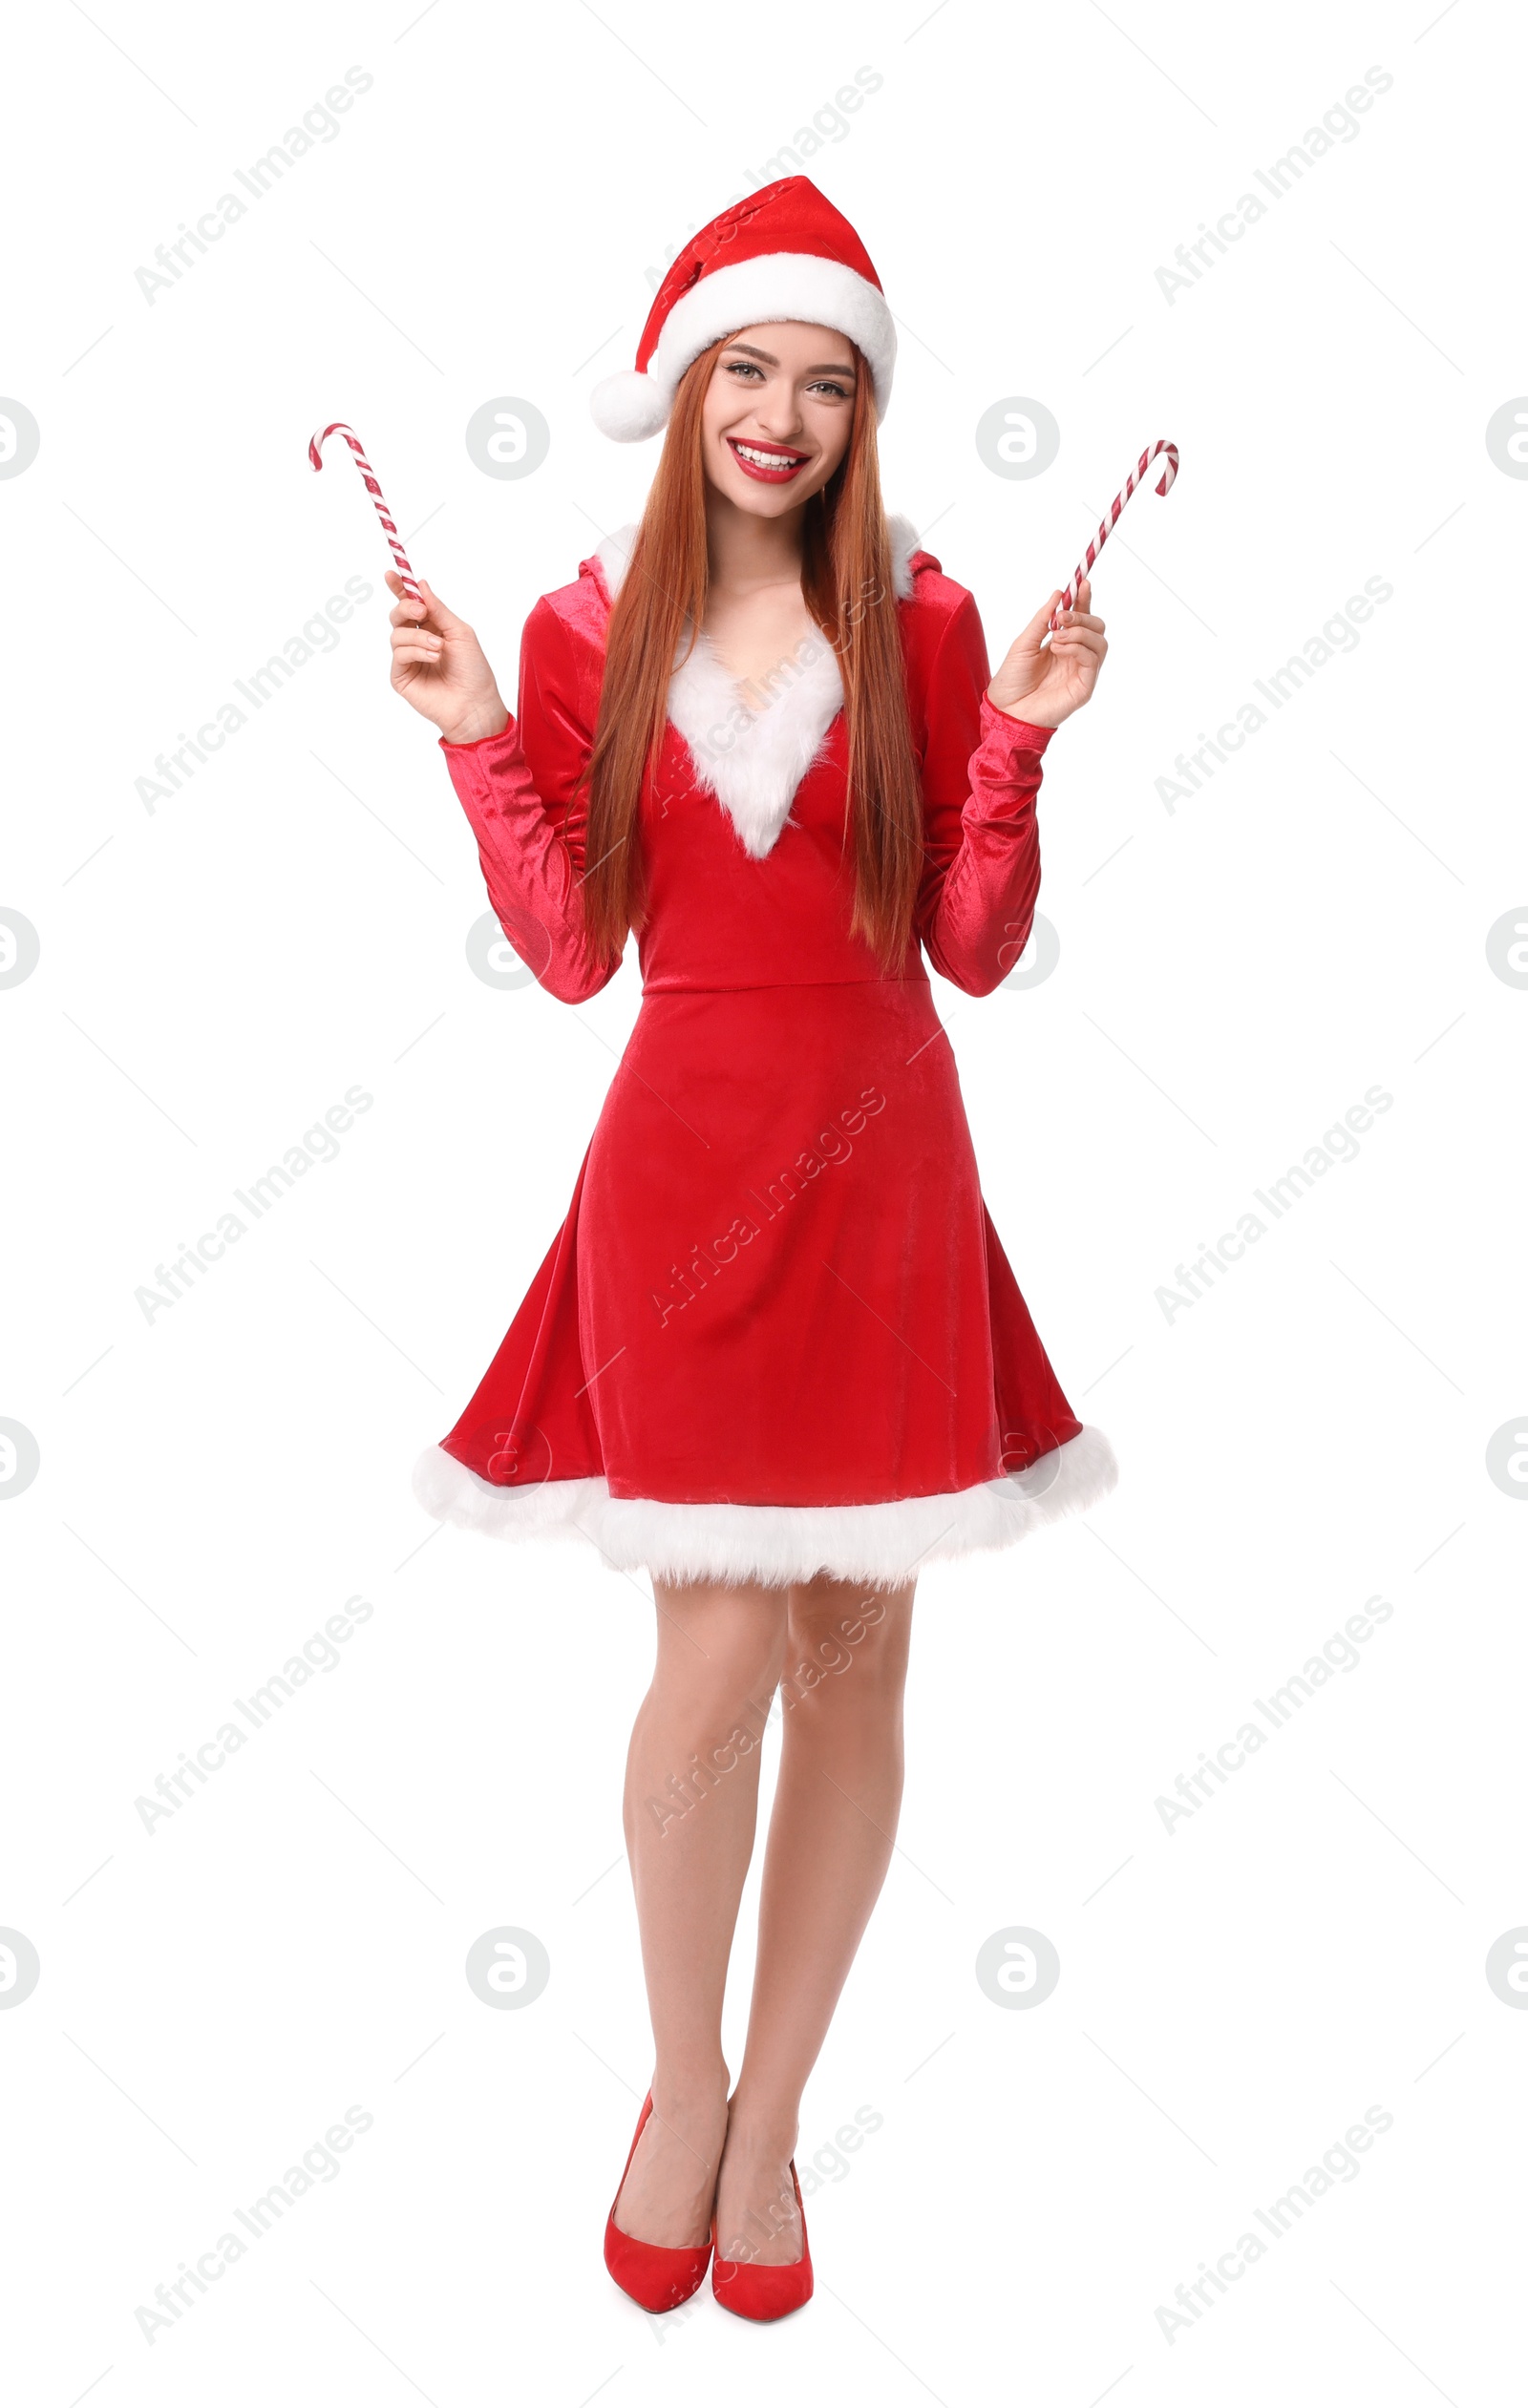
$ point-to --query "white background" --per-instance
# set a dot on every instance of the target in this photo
(1233, 975)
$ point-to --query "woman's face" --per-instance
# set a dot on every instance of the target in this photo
(777, 415)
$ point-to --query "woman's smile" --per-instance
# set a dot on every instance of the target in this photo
(771, 463)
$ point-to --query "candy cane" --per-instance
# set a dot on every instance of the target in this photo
(369, 478)
(1165, 486)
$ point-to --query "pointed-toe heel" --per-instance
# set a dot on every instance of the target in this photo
(764, 2292)
(655, 2278)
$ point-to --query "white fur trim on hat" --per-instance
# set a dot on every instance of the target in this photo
(783, 285)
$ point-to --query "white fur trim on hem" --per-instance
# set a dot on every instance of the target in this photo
(783, 286)
(882, 1544)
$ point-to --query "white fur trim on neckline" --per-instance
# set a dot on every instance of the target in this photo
(794, 286)
(882, 1544)
(752, 745)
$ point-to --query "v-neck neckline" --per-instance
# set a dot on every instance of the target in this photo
(741, 685)
(753, 760)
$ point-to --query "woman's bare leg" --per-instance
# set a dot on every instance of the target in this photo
(692, 1800)
(830, 1841)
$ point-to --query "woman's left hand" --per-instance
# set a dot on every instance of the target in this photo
(1046, 684)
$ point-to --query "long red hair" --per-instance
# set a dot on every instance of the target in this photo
(846, 583)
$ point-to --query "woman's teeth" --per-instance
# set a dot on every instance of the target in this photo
(766, 459)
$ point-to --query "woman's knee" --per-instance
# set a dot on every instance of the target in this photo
(720, 1646)
(844, 1635)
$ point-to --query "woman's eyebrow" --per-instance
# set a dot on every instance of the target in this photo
(823, 367)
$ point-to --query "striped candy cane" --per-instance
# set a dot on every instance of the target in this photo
(315, 453)
(1068, 599)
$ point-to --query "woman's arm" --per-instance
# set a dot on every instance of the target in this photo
(980, 778)
(518, 782)
(981, 775)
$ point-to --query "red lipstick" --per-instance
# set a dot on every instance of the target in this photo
(770, 463)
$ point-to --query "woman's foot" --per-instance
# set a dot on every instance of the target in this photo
(670, 2185)
(758, 2222)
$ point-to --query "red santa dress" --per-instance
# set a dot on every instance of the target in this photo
(777, 1334)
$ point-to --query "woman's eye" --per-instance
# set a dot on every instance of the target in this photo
(743, 368)
(836, 390)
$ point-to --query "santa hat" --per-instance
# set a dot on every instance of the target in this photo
(783, 253)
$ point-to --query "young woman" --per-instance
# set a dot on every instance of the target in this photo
(776, 1354)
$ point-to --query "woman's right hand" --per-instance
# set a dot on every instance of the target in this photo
(439, 665)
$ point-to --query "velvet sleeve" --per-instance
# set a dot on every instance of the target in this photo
(521, 792)
(981, 775)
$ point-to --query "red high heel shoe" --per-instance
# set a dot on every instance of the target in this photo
(763, 2293)
(655, 2278)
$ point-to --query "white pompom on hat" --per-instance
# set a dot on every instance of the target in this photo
(783, 253)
